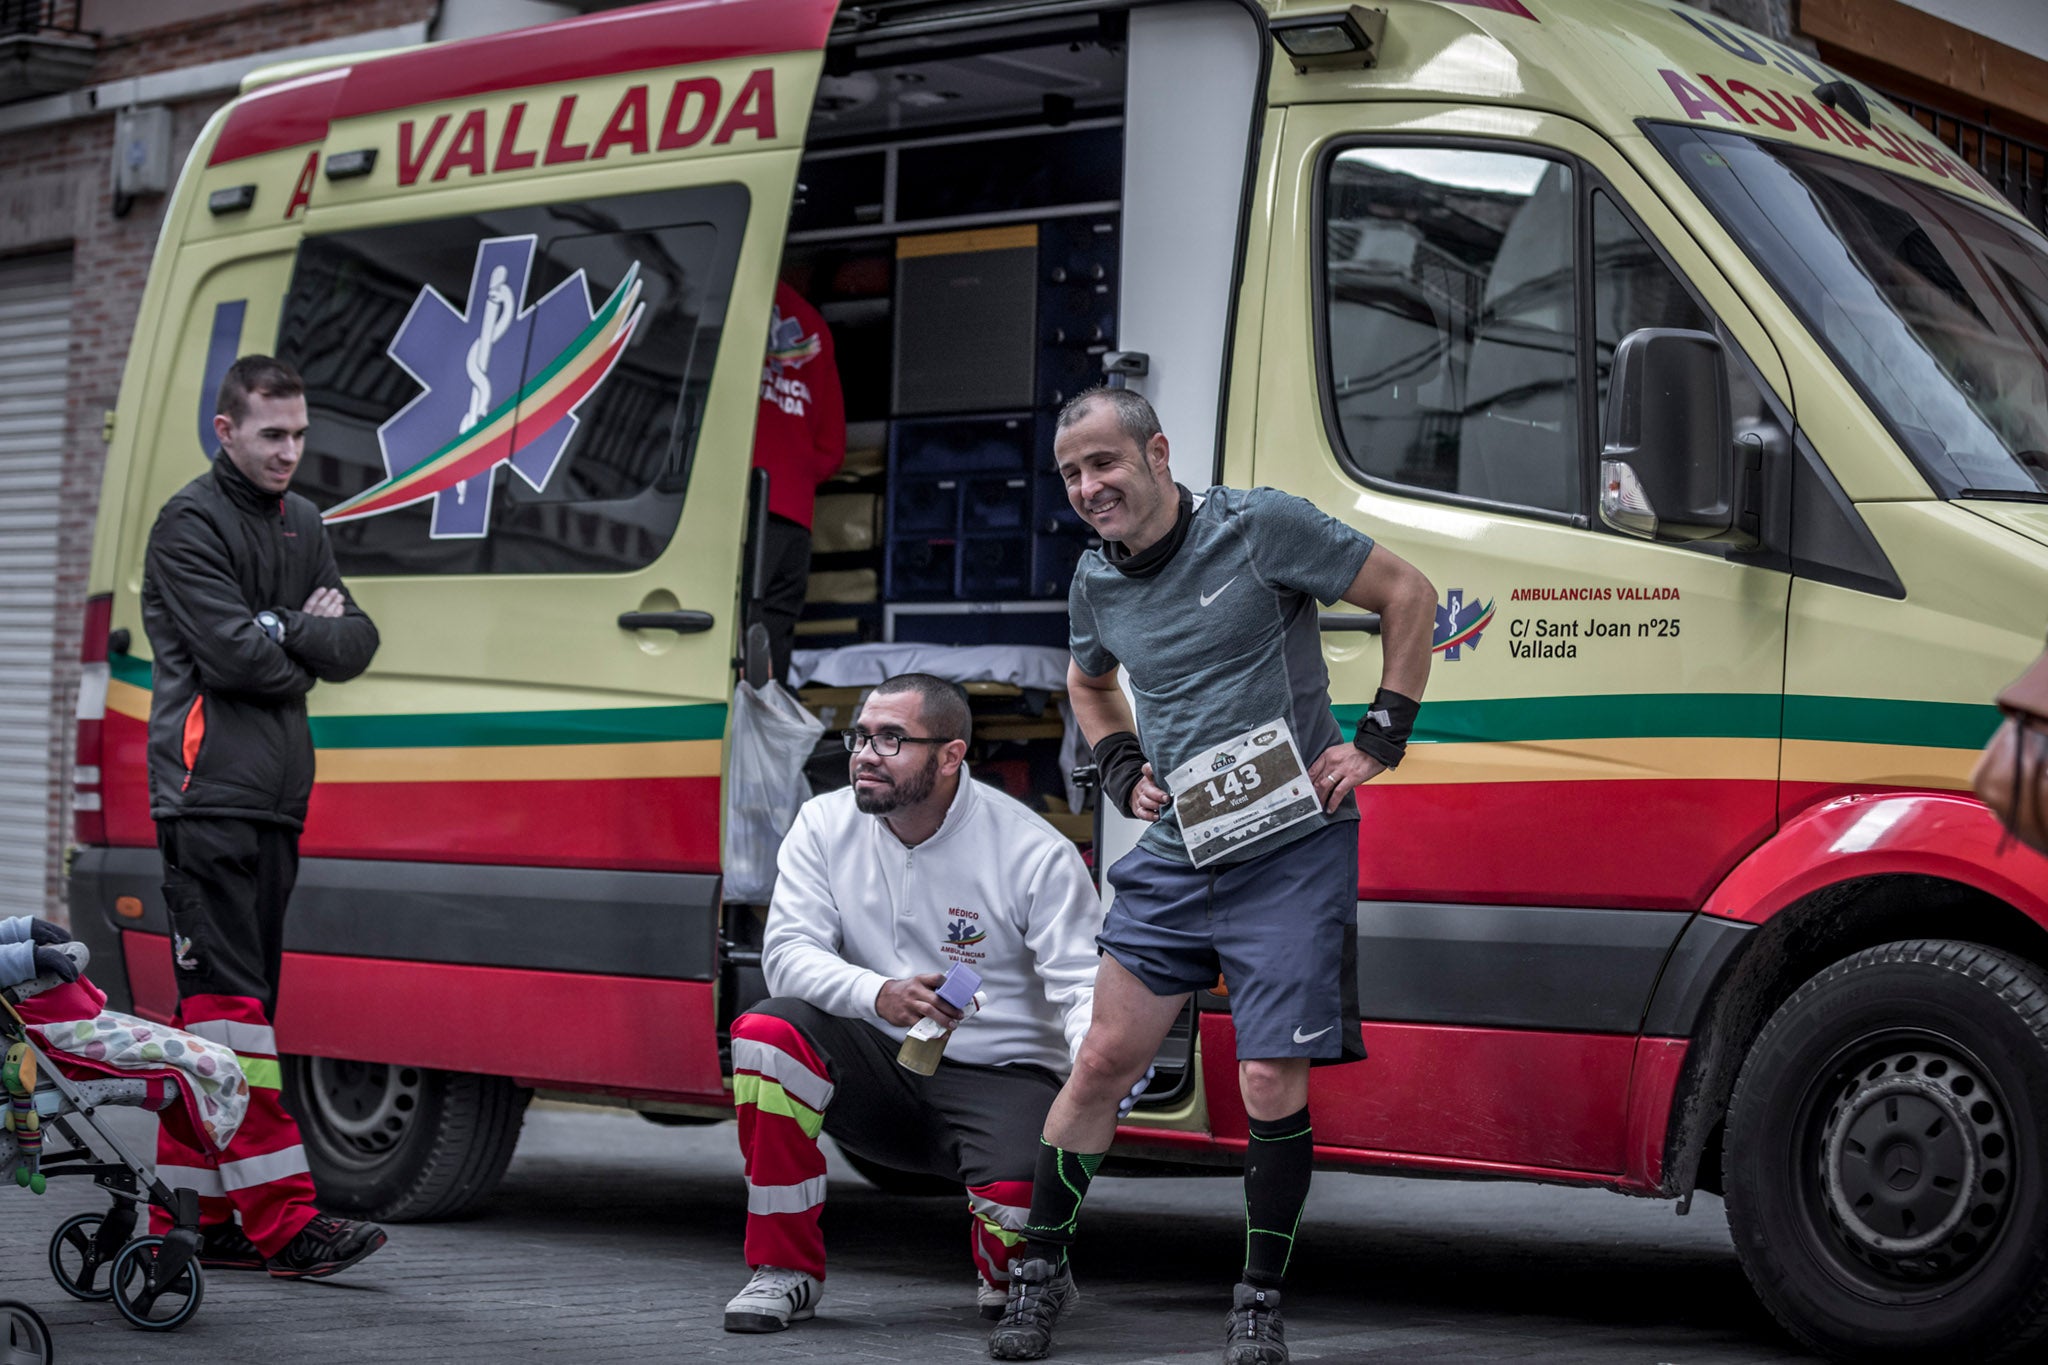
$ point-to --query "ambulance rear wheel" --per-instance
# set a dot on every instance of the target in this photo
(1886, 1156)
(402, 1144)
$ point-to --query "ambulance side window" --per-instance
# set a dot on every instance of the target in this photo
(517, 391)
(1632, 288)
(1451, 355)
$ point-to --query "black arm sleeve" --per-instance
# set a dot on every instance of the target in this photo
(188, 565)
(335, 648)
(1120, 763)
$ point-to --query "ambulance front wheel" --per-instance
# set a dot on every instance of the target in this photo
(1886, 1160)
(402, 1144)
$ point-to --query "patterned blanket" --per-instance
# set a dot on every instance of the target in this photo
(216, 1095)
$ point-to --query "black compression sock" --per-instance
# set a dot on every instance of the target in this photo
(1277, 1165)
(1058, 1185)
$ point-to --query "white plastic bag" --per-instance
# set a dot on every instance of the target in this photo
(772, 736)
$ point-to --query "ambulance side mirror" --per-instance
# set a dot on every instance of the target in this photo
(1667, 471)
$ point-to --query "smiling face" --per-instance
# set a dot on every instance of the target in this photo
(1122, 490)
(267, 444)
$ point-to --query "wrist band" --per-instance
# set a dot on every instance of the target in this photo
(1119, 763)
(1383, 730)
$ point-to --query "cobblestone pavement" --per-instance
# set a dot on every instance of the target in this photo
(612, 1239)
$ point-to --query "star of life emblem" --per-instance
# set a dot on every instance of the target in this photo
(501, 384)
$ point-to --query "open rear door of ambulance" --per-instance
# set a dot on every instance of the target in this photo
(530, 306)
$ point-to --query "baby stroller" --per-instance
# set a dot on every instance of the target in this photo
(155, 1282)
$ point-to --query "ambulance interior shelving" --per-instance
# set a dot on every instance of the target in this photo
(957, 228)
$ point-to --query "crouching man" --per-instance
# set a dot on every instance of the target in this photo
(880, 889)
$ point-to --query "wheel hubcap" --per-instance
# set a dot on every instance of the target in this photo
(1916, 1161)
(365, 1106)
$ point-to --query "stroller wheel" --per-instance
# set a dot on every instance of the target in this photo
(24, 1340)
(75, 1258)
(165, 1308)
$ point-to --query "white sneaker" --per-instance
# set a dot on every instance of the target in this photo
(772, 1300)
(990, 1299)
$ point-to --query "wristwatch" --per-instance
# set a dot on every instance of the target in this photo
(271, 625)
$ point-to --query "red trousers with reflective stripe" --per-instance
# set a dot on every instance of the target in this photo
(262, 1175)
(783, 1085)
(785, 1169)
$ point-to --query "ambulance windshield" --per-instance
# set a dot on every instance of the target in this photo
(1935, 308)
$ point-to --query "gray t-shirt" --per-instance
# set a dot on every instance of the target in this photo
(1224, 636)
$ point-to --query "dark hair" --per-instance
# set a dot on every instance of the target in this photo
(943, 704)
(1133, 413)
(262, 374)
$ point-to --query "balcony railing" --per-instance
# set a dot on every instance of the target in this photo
(39, 17)
(2017, 169)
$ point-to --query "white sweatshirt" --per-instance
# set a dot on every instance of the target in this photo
(996, 888)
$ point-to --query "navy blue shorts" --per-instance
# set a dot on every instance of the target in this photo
(1281, 929)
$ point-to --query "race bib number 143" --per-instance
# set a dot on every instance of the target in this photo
(1244, 789)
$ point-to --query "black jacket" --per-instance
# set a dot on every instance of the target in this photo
(227, 711)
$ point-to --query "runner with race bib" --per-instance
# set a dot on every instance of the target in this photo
(1250, 866)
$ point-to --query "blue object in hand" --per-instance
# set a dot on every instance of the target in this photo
(959, 987)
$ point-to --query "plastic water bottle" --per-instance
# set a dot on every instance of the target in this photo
(926, 1041)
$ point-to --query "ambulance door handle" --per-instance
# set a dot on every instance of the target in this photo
(681, 622)
(1369, 622)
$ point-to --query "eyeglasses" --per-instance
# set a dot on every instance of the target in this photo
(887, 744)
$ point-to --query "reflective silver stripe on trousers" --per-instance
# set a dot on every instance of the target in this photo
(1008, 1217)
(800, 1081)
(197, 1179)
(786, 1198)
(261, 1170)
(259, 1039)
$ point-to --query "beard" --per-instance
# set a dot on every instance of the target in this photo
(897, 795)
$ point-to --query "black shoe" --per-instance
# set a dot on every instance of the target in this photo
(224, 1246)
(325, 1246)
(1253, 1333)
(1039, 1296)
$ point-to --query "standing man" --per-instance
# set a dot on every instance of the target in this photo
(1250, 867)
(800, 439)
(245, 612)
(879, 888)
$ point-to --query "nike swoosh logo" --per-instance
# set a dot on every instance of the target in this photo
(1209, 597)
(1301, 1037)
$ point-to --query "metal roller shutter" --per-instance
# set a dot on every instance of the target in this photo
(35, 335)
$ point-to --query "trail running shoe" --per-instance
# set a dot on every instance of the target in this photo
(773, 1299)
(325, 1246)
(1253, 1333)
(224, 1246)
(990, 1299)
(1039, 1298)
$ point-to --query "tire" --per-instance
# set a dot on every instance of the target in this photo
(23, 1334)
(75, 1260)
(1886, 1163)
(907, 1184)
(402, 1144)
(175, 1303)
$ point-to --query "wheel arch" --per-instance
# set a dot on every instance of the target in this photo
(1839, 878)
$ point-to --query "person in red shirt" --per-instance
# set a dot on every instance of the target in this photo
(800, 439)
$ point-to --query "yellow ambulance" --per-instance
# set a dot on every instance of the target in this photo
(1710, 391)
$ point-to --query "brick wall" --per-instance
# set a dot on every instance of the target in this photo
(54, 194)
